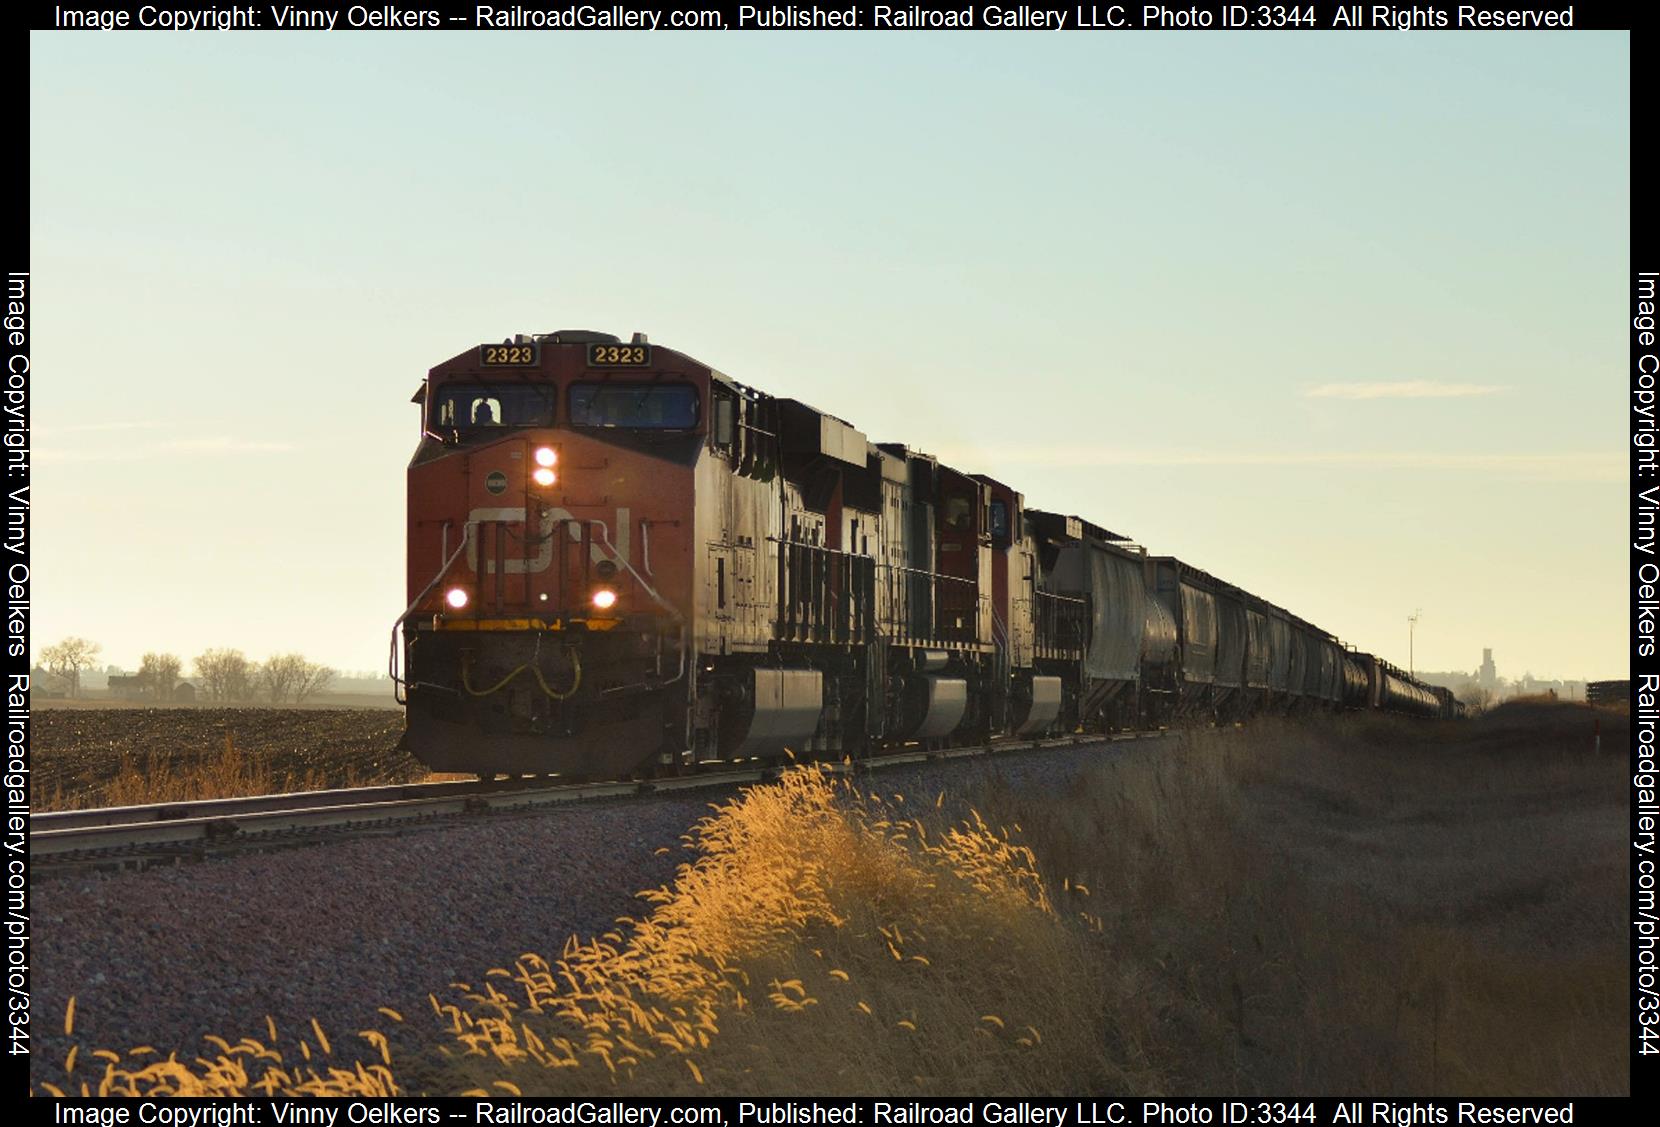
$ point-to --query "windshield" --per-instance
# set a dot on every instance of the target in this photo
(645, 406)
(469, 406)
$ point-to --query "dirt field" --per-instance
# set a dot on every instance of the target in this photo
(95, 701)
(102, 756)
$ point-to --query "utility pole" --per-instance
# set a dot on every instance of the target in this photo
(1411, 626)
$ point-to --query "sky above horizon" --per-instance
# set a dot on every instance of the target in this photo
(1337, 317)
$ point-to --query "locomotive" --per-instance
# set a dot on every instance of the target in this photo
(624, 562)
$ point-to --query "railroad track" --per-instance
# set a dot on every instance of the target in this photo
(171, 832)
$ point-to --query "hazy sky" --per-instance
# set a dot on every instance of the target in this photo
(1337, 317)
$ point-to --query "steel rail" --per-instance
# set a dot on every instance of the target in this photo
(249, 804)
(165, 831)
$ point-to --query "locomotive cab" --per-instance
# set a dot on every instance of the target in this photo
(548, 555)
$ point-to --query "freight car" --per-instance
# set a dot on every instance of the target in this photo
(622, 561)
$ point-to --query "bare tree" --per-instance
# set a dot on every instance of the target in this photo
(1475, 697)
(68, 658)
(159, 674)
(226, 675)
(290, 677)
(312, 681)
(281, 675)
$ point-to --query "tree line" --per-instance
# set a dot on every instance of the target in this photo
(223, 675)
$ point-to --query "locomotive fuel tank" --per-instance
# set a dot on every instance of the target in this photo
(1042, 706)
(784, 710)
(935, 706)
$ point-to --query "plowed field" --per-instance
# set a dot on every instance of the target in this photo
(109, 756)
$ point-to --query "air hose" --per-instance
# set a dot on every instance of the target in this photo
(553, 694)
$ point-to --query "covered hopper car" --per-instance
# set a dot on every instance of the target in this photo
(622, 561)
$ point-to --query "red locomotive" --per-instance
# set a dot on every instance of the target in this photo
(623, 561)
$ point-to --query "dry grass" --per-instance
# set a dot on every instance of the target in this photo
(1363, 906)
(821, 943)
(1367, 906)
(269, 1066)
(162, 778)
(173, 754)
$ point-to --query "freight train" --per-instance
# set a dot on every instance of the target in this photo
(623, 562)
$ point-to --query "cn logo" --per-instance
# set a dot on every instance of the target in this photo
(543, 558)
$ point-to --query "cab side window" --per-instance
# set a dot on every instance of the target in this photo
(723, 435)
(1000, 522)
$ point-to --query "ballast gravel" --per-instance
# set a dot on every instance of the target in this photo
(332, 931)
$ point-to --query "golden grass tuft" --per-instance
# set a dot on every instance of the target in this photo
(249, 1067)
(821, 942)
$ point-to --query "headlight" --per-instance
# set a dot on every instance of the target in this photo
(545, 456)
(456, 597)
(605, 598)
(541, 475)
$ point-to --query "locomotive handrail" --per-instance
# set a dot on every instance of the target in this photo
(835, 602)
(680, 619)
(443, 569)
(932, 574)
(605, 534)
(804, 545)
(919, 599)
(1055, 616)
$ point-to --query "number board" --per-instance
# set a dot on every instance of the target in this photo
(508, 355)
(619, 355)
